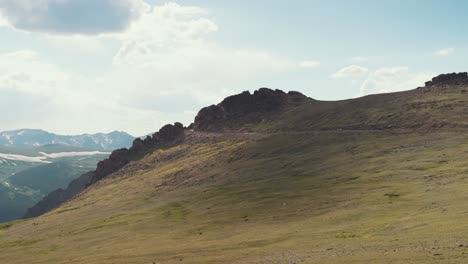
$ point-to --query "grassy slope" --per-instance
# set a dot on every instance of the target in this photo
(315, 197)
(337, 197)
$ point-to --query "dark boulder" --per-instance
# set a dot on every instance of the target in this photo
(169, 133)
(209, 117)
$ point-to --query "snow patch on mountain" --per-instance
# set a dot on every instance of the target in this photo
(73, 154)
(41, 159)
(46, 156)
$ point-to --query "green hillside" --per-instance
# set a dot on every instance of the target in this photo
(312, 197)
(23, 183)
(285, 187)
(48, 177)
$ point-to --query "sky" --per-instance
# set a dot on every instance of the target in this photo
(86, 66)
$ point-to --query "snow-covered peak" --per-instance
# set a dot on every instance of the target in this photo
(36, 137)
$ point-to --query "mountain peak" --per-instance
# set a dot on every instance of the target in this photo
(449, 79)
(26, 131)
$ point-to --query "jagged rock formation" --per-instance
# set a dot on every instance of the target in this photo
(245, 108)
(449, 79)
(167, 136)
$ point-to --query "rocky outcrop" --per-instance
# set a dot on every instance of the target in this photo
(449, 79)
(239, 110)
(166, 136)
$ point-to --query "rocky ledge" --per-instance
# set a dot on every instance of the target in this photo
(167, 135)
(239, 110)
(449, 79)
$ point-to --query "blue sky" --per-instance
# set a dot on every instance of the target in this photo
(77, 66)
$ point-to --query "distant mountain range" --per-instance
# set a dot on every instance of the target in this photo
(27, 138)
(35, 162)
(28, 174)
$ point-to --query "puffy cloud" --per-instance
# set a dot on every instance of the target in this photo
(309, 64)
(164, 69)
(71, 16)
(444, 52)
(3, 21)
(166, 54)
(351, 71)
(393, 79)
(161, 30)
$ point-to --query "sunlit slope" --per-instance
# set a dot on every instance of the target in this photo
(318, 197)
(275, 177)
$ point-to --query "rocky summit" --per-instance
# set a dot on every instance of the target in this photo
(234, 112)
(450, 79)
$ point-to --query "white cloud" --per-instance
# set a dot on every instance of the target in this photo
(164, 69)
(309, 64)
(163, 30)
(444, 52)
(351, 71)
(393, 79)
(166, 54)
(4, 21)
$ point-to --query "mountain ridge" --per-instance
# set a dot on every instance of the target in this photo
(256, 112)
(38, 137)
(378, 179)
